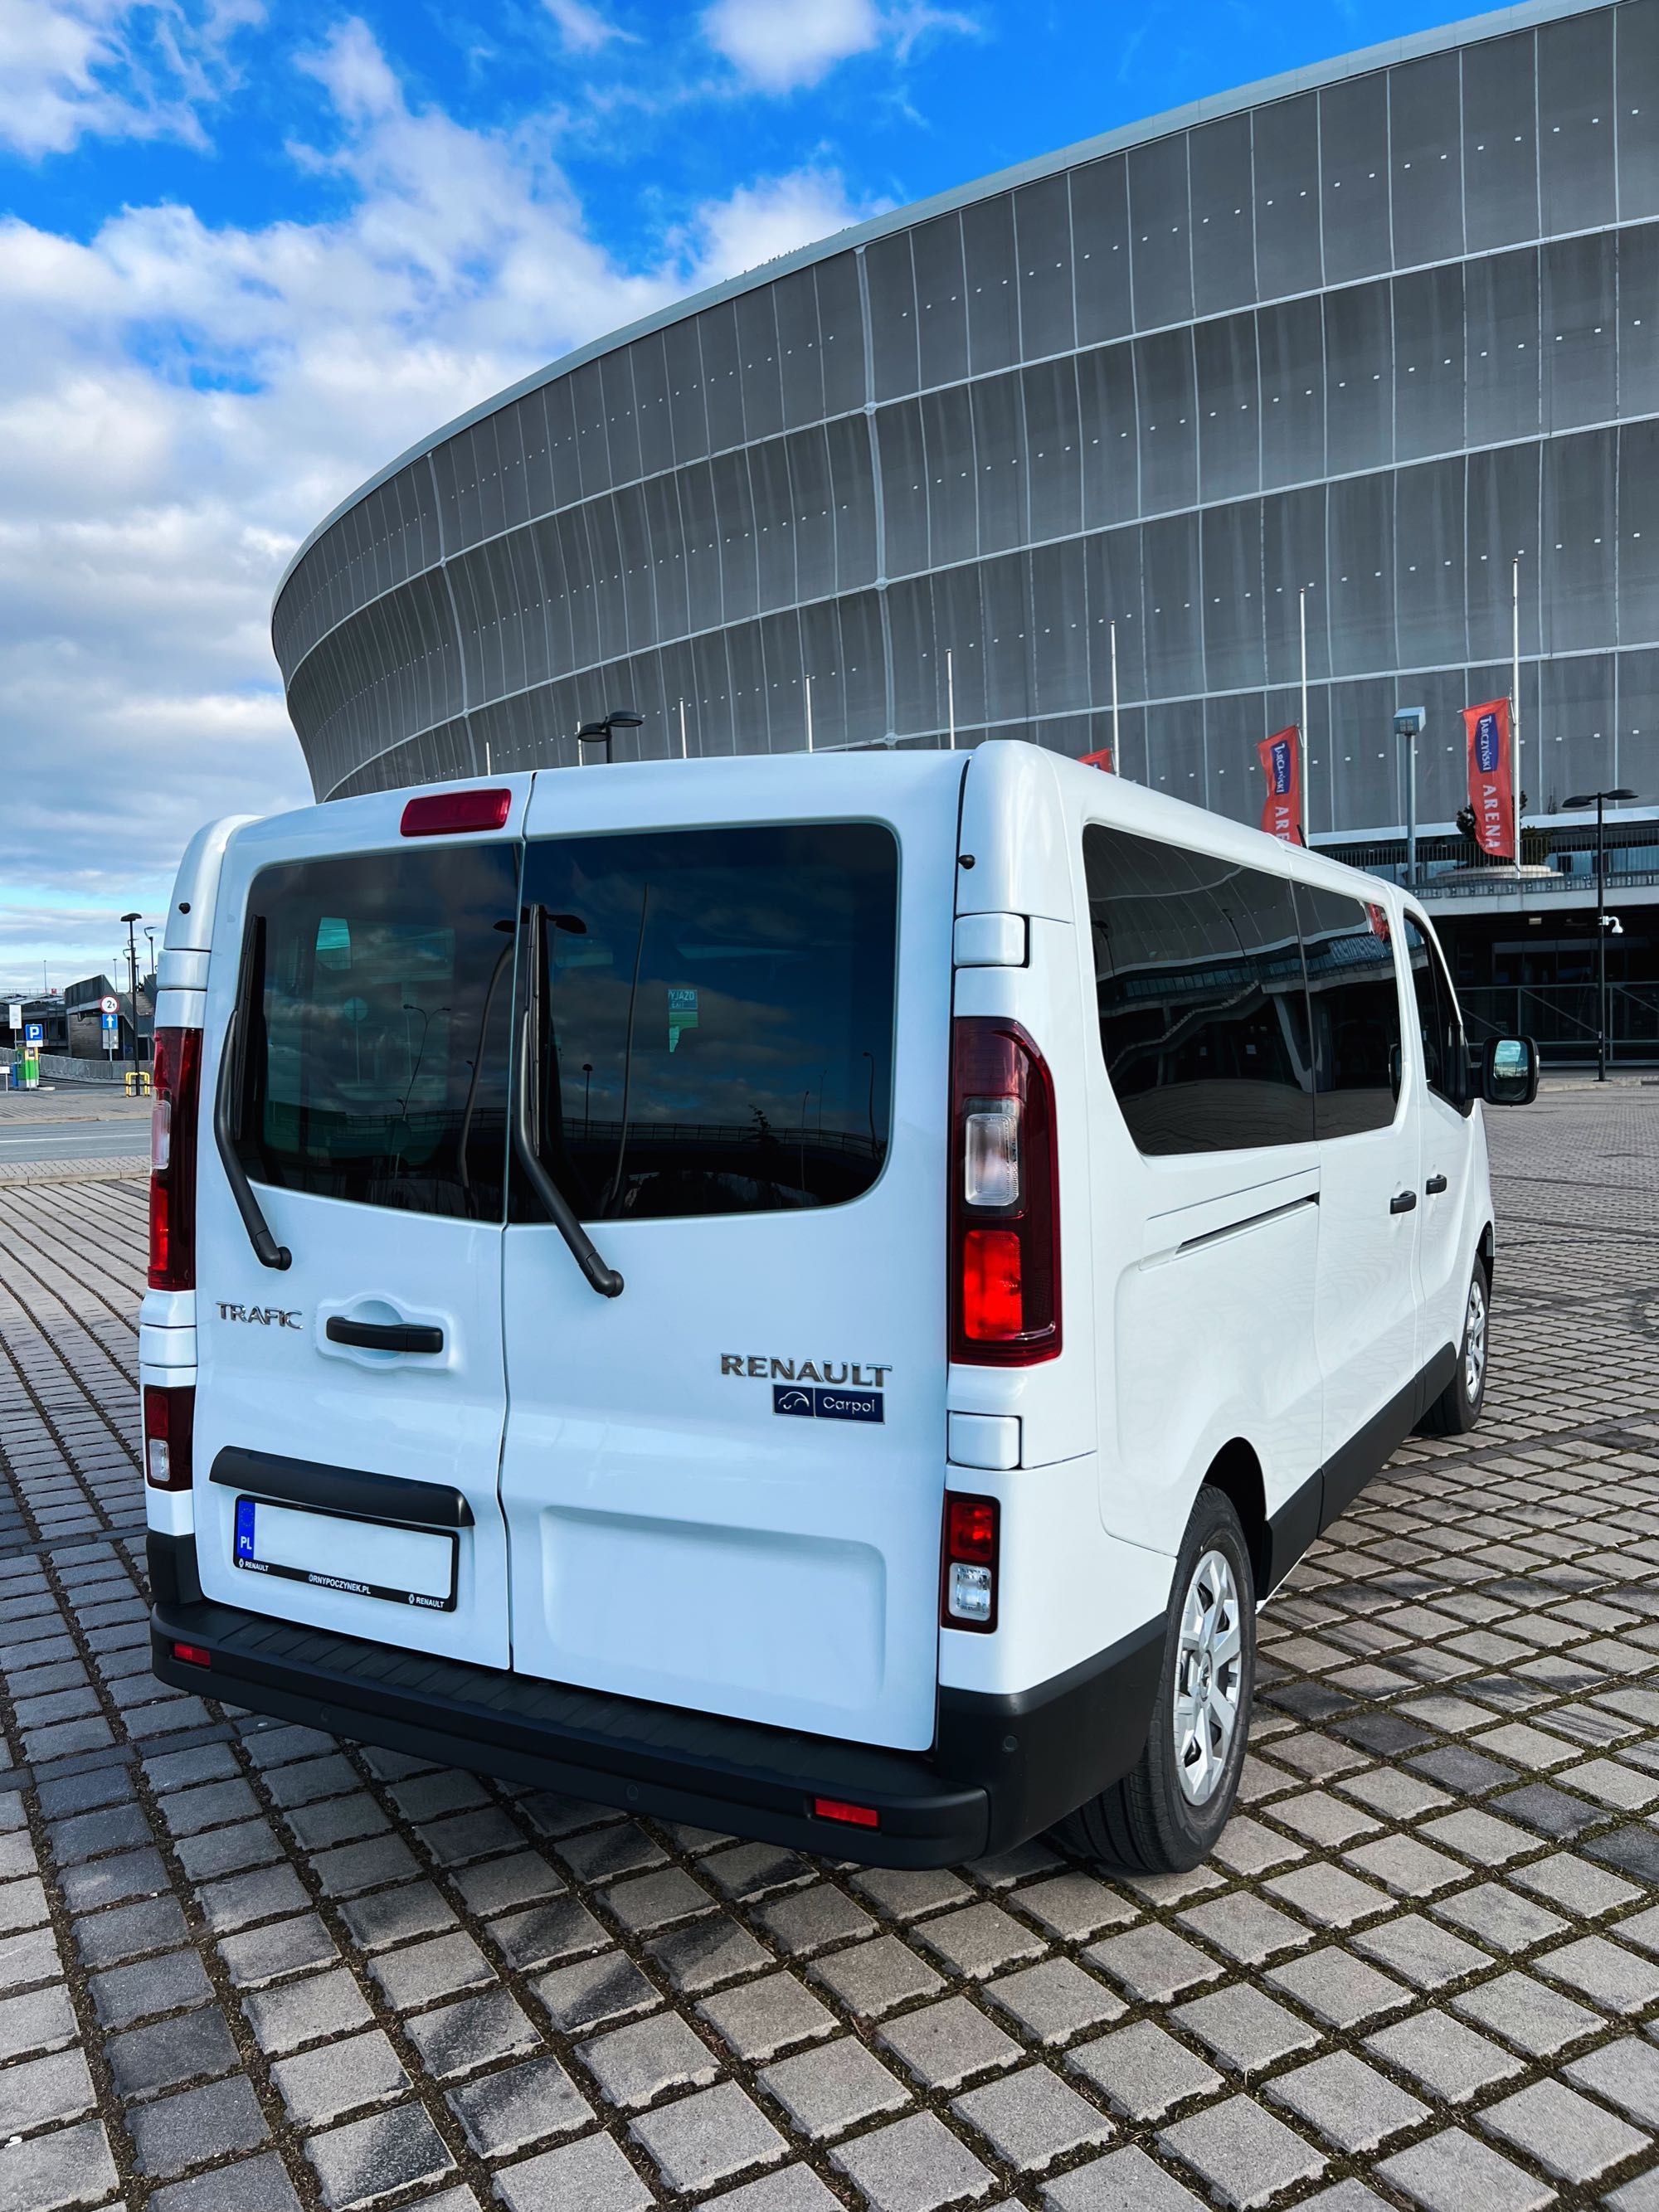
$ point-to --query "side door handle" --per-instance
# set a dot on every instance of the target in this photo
(1434, 1185)
(1403, 1202)
(383, 1335)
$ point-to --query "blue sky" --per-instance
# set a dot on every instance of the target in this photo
(251, 249)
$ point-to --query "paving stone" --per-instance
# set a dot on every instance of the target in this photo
(436, 1967)
(1349, 2103)
(1626, 2073)
(942, 2045)
(1426, 1956)
(73, 2167)
(871, 1979)
(1074, 1906)
(1328, 1897)
(169, 2051)
(1337, 1988)
(1152, 1963)
(1141, 2072)
(396, 1916)
(502, 1885)
(252, 2184)
(125, 1994)
(748, 1870)
(699, 2140)
(655, 1900)
(792, 2189)
(454, 2038)
(1032, 2118)
(587, 1994)
(1054, 2000)
(1452, 2061)
(1242, 2154)
(1124, 2180)
(195, 2126)
(503, 2112)
(761, 2018)
(912, 2166)
(368, 2158)
(1579, 1889)
(1404, 1865)
(560, 1929)
(107, 1939)
(294, 2013)
(1247, 1928)
(1566, 2134)
(903, 1893)
(589, 2175)
(262, 1954)
(634, 2065)
(317, 2085)
(1453, 2173)
(1538, 2020)
(43, 2090)
(1604, 1972)
(978, 1940)
(830, 2089)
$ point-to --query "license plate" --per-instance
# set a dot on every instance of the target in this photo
(364, 1558)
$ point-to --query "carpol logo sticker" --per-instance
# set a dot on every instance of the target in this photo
(815, 1389)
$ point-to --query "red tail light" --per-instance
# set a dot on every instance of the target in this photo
(851, 1816)
(169, 1434)
(448, 813)
(1005, 1273)
(178, 1083)
(193, 1654)
(968, 1598)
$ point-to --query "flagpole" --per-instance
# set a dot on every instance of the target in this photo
(1307, 811)
(1514, 699)
(809, 713)
(681, 729)
(951, 696)
(1117, 748)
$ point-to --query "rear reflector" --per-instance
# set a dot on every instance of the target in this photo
(169, 1433)
(448, 813)
(852, 1816)
(192, 1655)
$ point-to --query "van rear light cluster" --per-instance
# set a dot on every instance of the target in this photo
(1005, 1272)
(450, 813)
(169, 1433)
(969, 1599)
(177, 1079)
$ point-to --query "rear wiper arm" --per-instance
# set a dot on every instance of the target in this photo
(268, 1251)
(604, 1279)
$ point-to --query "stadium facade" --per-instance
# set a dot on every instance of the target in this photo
(1345, 345)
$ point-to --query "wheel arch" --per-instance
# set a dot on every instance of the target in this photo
(1486, 1248)
(1236, 1472)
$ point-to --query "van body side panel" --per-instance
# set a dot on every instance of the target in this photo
(724, 1487)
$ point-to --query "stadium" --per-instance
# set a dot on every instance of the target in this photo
(1326, 381)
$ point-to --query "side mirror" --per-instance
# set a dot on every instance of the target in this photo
(1511, 1075)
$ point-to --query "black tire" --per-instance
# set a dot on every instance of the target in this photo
(1458, 1408)
(1149, 1823)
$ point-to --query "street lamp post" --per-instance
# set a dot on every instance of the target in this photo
(1618, 795)
(133, 977)
(599, 734)
(1407, 726)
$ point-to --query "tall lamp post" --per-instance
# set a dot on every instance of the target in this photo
(132, 977)
(599, 734)
(1619, 794)
(1408, 727)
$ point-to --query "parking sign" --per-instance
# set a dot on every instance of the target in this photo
(33, 1032)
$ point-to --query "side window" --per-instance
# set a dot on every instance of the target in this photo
(1199, 987)
(1353, 1000)
(377, 993)
(1437, 1020)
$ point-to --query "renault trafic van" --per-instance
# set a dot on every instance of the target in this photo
(811, 1295)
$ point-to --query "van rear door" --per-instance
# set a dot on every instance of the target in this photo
(349, 1406)
(723, 1487)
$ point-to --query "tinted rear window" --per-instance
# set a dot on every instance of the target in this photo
(1353, 999)
(375, 1013)
(720, 1007)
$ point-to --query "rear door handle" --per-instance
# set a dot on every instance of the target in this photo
(384, 1335)
(1403, 1202)
(1434, 1185)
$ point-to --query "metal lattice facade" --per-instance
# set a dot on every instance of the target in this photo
(1365, 334)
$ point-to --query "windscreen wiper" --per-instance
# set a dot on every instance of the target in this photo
(267, 1250)
(527, 1135)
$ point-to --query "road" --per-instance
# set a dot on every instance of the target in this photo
(89, 1140)
(245, 1967)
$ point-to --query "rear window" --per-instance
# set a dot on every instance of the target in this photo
(376, 1001)
(720, 1008)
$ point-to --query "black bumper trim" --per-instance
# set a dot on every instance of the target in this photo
(1002, 1768)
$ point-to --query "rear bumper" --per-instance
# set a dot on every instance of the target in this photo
(1001, 1769)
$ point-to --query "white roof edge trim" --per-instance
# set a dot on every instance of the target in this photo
(1526, 14)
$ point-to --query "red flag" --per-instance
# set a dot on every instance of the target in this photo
(1098, 760)
(1281, 763)
(1490, 795)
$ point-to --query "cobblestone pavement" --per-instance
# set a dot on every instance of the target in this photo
(243, 1967)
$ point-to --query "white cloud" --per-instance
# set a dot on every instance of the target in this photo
(112, 68)
(180, 400)
(583, 28)
(780, 46)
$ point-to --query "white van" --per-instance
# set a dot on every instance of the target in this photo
(813, 1296)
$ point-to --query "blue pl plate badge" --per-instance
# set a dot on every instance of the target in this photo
(824, 1404)
(244, 1511)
